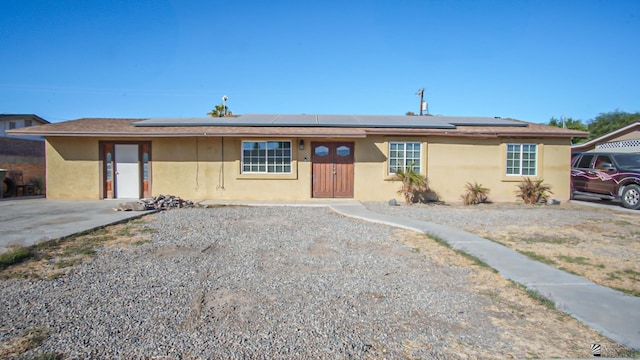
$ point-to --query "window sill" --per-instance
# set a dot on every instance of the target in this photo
(291, 176)
(517, 178)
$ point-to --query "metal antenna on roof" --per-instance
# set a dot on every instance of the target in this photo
(224, 104)
(421, 94)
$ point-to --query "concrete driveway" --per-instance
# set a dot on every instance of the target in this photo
(603, 204)
(30, 221)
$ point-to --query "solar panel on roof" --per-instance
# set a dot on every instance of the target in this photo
(483, 121)
(296, 120)
(308, 120)
(338, 120)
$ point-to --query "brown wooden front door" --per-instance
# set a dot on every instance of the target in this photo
(332, 170)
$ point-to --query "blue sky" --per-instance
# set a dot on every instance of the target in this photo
(529, 60)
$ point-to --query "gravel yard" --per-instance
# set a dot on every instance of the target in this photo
(285, 282)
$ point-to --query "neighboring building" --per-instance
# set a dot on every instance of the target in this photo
(626, 139)
(18, 121)
(22, 156)
(299, 157)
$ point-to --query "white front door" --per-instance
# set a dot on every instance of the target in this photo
(127, 171)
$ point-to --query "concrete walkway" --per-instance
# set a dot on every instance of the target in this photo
(610, 312)
(25, 222)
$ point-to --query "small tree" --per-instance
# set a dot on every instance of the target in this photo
(413, 184)
(611, 121)
(220, 111)
(570, 123)
(532, 192)
(475, 194)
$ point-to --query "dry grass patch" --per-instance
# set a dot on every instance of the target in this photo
(603, 246)
(31, 339)
(528, 321)
(55, 258)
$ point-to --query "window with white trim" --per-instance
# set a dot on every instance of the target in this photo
(266, 157)
(522, 159)
(404, 154)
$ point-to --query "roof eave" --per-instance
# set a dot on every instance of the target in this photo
(32, 116)
(360, 135)
(455, 133)
(607, 137)
(302, 134)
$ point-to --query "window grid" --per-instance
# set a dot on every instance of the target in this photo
(266, 157)
(522, 159)
(403, 154)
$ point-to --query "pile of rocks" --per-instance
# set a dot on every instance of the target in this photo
(160, 202)
(164, 202)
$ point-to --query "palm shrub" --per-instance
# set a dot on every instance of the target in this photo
(414, 185)
(475, 194)
(532, 192)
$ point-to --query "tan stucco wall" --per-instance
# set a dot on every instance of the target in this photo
(372, 182)
(452, 162)
(72, 168)
(192, 168)
(633, 135)
(183, 166)
(176, 171)
(556, 157)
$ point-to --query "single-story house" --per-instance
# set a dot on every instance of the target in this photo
(299, 157)
(625, 139)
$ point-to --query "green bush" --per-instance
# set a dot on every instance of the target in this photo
(14, 256)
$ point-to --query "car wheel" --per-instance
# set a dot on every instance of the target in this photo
(571, 194)
(631, 197)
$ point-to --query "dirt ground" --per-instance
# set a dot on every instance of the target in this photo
(532, 325)
(598, 244)
(56, 258)
(594, 247)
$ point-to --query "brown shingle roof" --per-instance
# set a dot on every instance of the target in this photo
(122, 128)
(531, 130)
(101, 127)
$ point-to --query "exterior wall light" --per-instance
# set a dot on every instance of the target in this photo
(301, 144)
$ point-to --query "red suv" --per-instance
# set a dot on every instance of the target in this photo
(611, 176)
